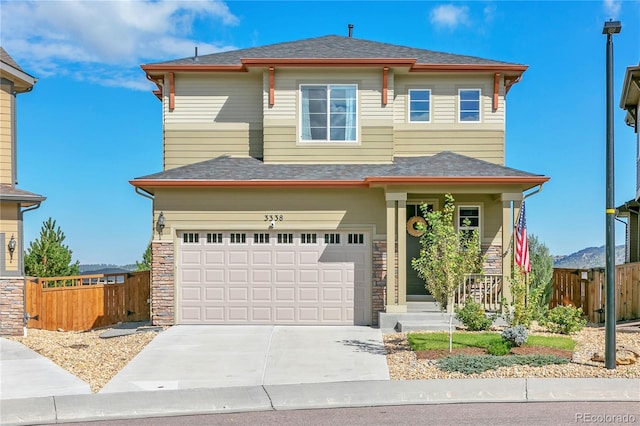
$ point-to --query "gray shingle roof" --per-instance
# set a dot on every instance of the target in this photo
(334, 46)
(444, 164)
(7, 59)
(11, 193)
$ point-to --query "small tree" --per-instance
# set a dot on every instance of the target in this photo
(145, 264)
(446, 256)
(541, 280)
(47, 256)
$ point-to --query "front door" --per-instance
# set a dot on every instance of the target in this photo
(416, 289)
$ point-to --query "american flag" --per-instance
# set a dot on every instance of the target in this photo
(522, 243)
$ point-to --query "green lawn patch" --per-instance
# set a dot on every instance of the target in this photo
(426, 341)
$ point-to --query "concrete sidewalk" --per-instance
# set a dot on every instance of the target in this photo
(129, 405)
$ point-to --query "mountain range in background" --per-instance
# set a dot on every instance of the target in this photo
(590, 257)
(103, 268)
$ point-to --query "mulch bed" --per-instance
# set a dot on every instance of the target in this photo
(522, 350)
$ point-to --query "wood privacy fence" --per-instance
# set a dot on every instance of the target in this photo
(84, 302)
(585, 288)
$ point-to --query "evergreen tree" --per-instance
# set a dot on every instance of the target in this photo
(47, 256)
(541, 270)
(145, 265)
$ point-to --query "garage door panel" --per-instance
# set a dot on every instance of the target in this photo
(264, 283)
(214, 276)
(284, 294)
(214, 313)
(189, 276)
(262, 294)
(238, 257)
(308, 294)
(214, 258)
(237, 276)
(238, 313)
(285, 314)
(238, 294)
(214, 294)
(261, 258)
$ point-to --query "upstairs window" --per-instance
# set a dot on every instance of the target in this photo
(469, 105)
(328, 113)
(419, 106)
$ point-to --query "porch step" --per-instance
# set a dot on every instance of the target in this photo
(419, 325)
(394, 322)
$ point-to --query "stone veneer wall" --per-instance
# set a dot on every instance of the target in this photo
(493, 262)
(162, 283)
(379, 279)
(11, 306)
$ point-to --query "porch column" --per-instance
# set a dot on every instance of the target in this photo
(402, 251)
(396, 286)
(509, 216)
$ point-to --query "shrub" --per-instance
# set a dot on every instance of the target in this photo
(517, 335)
(564, 320)
(499, 348)
(472, 316)
(477, 364)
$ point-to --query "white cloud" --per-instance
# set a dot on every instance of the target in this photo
(612, 8)
(110, 37)
(450, 16)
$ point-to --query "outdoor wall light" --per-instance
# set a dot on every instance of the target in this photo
(12, 247)
(160, 223)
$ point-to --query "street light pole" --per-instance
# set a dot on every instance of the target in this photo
(610, 28)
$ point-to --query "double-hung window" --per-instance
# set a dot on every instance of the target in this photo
(469, 105)
(419, 105)
(468, 220)
(328, 113)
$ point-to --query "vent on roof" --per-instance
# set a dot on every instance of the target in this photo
(195, 56)
(350, 30)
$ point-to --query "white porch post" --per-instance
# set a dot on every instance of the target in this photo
(396, 213)
(509, 217)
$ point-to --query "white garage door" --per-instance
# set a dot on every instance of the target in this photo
(274, 277)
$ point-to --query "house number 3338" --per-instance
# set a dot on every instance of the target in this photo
(273, 217)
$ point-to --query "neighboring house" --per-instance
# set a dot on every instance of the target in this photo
(14, 202)
(630, 101)
(292, 170)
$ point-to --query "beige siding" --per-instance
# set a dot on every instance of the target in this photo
(281, 146)
(413, 139)
(244, 209)
(9, 227)
(213, 115)
(191, 143)
(281, 121)
(6, 131)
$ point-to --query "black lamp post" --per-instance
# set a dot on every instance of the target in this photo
(610, 28)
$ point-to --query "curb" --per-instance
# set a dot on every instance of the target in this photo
(130, 405)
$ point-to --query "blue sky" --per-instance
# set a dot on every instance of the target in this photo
(91, 123)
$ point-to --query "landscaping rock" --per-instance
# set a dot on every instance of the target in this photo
(623, 357)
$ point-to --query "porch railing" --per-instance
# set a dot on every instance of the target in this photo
(485, 289)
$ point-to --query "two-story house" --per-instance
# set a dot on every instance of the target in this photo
(630, 101)
(294, 174)
(14, 202)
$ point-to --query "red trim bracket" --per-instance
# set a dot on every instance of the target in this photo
(172, 92)
(496, 90)
(272, 82)
(385, 84)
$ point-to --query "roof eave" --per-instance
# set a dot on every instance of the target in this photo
(367, 182)
(632, 75)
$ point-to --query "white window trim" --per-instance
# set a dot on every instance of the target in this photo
(409, 105)
(480, 218)
(328, 141)
(479, 105)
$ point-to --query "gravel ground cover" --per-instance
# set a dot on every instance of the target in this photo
(96, 360)
(404, 364)
(85, 354)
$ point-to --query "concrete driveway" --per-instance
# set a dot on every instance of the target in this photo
(205, 356)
